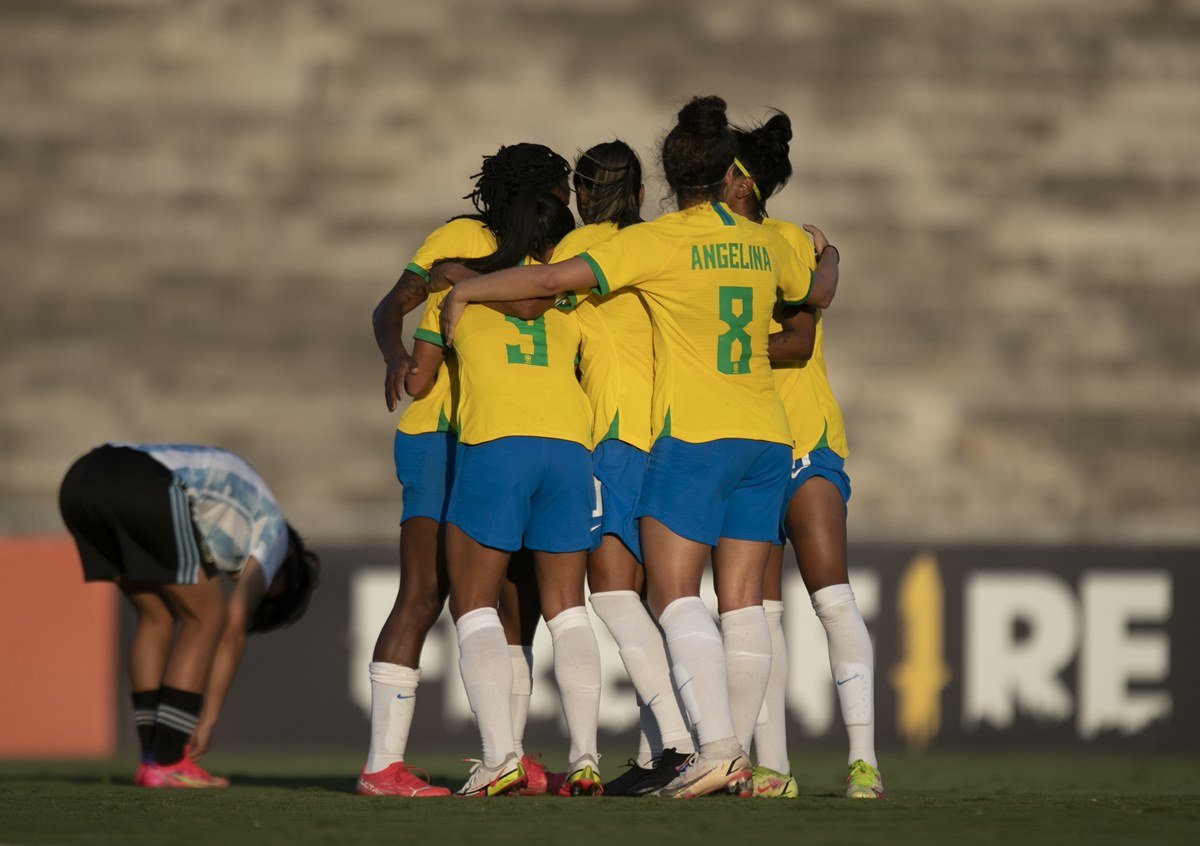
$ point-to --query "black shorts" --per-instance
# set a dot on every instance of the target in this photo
(131, 519)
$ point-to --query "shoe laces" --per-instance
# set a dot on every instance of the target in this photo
(862, 773)
(410, 769)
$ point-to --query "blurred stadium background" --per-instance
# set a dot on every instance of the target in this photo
(202, 200)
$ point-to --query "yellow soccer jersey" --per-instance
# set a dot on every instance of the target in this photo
(813, 413)
(710, 279)
(617, 357)
(516, 377)
(461, 238)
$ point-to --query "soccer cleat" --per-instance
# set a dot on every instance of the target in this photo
(139, 775)
(398, 780)
(536, 781)
(493, 781)
(769, 784)
(702, 776)
(184, 773)
(666, 769)
(864, 781)
(626, 781)
(583, 779)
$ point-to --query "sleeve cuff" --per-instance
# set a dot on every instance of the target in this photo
(804, 299)
(601, 286)
(429, 337)
(420, 271)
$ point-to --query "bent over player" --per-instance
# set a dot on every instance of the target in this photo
(162, 521)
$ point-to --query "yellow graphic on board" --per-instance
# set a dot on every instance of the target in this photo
(922, 673)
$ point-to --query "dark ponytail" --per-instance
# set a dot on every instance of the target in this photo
(608, 179)
(698, 151)
(764, 151)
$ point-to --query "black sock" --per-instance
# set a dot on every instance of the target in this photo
(176, 718)
(145, 706)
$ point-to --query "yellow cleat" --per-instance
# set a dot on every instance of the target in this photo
(864, 781)
(769, 784)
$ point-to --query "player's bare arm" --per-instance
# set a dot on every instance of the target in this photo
(409, 292)
(825, 277)
(447, 274)
(798, 337)
(422, 377)
(249, 590)
(512, 285)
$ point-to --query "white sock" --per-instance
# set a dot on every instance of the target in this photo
(698, 665)
(522, 689)
(577, 671)
(747, 643)
(649, 740)
(852, 661)
(645, 657)
(487, 675)
(393, 700)
(770, 733)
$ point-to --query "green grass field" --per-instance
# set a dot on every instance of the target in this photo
(935, 798)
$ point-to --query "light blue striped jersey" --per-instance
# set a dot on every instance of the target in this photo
(232, 508)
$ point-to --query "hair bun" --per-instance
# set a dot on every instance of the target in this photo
(704, 116)
(778, 130)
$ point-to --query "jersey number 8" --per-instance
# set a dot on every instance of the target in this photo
(736, 309)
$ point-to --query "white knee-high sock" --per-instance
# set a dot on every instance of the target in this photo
(698, 665)
(393, 700)
(770, 733)
(650, 744)
(487, 675)
(522, 689)
(645, 657)
(577, 671)
(747, 641)
(853, 664)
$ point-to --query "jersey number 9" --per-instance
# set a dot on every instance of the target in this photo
(535, 330)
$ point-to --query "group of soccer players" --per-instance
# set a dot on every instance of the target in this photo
(617, 404)
(620, 404)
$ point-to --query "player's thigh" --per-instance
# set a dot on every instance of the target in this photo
(422, 557)
(740, 566)
(520, 606)
(201, 604)
(816, 525)
(773, 575)
(149, 603)
(476, 572)
(611, 566)
(674, 564)
(560, 577)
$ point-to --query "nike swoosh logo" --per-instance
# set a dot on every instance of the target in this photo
(852, 678)
(797, 472)
(733, 766)
(402, 696)
(596, 527)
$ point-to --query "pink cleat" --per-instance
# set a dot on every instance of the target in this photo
(183, 773)
(398, 780)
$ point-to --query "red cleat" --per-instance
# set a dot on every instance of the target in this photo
(536, 783)
(184, 773)
(398, 780)
(139, 775)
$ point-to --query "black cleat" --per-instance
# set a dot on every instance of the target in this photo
(666, 768)
(632, 777)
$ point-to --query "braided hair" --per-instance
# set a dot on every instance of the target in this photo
(508, 189)
(608, 179)
(763, 151)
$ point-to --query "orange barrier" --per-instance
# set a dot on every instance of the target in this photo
(58, 653)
